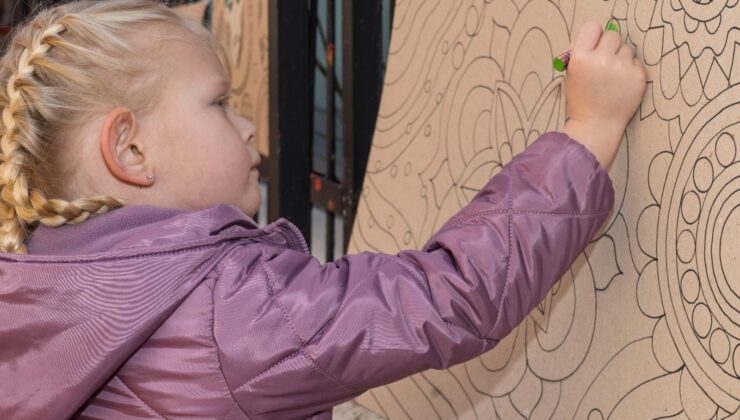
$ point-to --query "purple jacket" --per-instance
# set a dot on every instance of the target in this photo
(150, 312)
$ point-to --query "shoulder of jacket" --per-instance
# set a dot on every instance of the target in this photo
(279, 234)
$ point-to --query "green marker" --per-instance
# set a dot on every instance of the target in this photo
(560, 63)
(612, 25)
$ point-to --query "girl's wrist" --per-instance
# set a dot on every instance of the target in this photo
(601, 139)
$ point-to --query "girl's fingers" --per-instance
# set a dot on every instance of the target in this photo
(610, 42)
(588, 37)
(626, 52)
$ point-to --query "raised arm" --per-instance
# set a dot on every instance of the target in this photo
(370, 319)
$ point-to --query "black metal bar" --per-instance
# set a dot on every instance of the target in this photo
(362, 84)
(330, 116)
(326, 193)
(392, 12)
(291, 113)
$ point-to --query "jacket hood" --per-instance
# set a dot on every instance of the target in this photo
(134, 226)
(87, 296)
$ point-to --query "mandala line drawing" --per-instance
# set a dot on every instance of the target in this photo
(646, 323)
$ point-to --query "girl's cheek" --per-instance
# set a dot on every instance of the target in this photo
(239, 156)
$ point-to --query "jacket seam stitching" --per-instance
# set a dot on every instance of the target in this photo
(510, 210)
(415, 275)
(269, 279)
(325, 373)
(508, 259)
(259, 376)
(459, 221)
(566, 215)
(215, 343)
(354, 289)
(301, 351)
(302, 346)
(518, 212)
(138, 398)
(480, 213)
(421, 281)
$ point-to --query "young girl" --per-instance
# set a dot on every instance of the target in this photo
(134, 284)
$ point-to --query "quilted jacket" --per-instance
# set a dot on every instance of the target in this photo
(150, 312)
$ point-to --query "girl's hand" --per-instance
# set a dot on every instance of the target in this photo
(604, 86)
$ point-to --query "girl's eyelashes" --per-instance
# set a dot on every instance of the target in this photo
(223, 102)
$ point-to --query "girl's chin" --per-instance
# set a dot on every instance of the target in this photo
(252, 205)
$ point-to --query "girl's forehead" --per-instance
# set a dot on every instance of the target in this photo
(177, 43)
(186, 61)
(195, 60)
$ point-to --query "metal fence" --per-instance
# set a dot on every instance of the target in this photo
(326, 75)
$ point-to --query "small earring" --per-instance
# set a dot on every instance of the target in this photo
(149, 177)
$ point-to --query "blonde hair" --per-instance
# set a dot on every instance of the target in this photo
(61, 66)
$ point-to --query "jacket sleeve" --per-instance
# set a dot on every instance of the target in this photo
(370, 319)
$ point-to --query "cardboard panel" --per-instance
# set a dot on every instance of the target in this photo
(646, 324)
(193, 11)
(242, 27)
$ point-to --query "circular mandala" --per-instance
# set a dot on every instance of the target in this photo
(699, 221)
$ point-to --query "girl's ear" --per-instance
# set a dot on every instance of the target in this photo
(123, 152)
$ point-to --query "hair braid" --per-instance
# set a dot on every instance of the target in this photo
(67, 62)
(21, 205)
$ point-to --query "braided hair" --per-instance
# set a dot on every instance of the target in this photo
(62, 66)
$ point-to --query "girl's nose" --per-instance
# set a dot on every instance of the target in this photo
(249, 131)
(252, 139)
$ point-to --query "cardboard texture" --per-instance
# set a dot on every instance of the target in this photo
(193, 11)
(242, 28)
(646, 324)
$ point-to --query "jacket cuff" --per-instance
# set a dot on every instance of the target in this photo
(564, 175)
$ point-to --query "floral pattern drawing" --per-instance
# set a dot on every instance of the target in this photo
(646, 324)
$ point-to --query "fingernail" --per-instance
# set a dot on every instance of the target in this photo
(612, 25)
